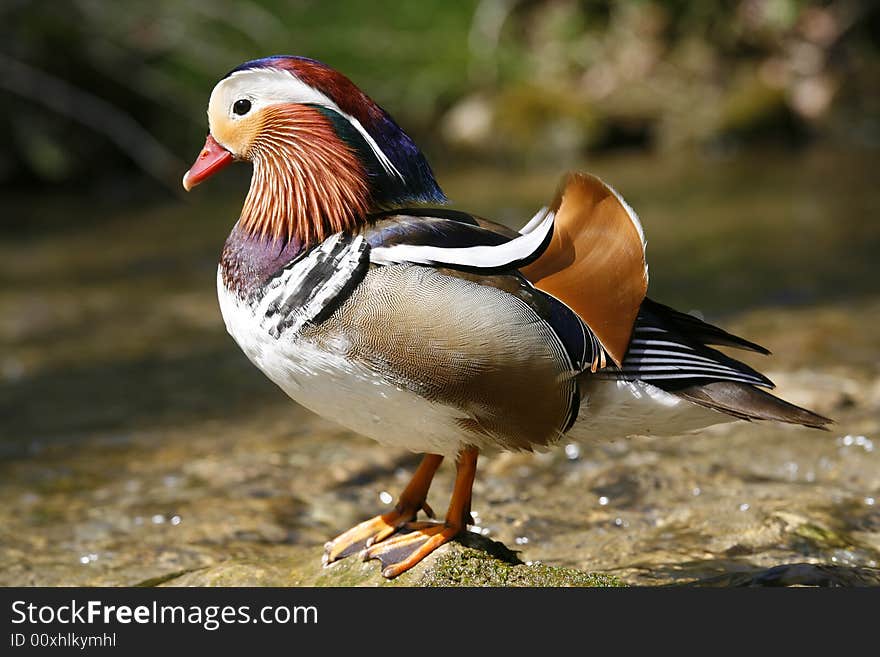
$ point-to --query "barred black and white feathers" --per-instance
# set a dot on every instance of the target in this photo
(670, 350)
(310, 287)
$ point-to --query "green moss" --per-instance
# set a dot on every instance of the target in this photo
(469, 567)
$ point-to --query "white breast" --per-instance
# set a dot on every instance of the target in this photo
(337, 388)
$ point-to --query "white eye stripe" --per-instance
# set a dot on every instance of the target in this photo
(269, 86)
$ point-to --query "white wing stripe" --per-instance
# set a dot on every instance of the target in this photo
(481, 257)
(683, 355)
(660, 343)
(675, 364)
(722, 377)
(535, 221)
(675, 368)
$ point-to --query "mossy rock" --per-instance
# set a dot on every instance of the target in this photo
(470, 561)
(466, 566)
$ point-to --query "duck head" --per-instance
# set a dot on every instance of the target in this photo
(324, 155)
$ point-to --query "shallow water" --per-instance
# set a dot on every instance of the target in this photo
(137, 441)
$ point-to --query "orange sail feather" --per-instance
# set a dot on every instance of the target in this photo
(595, 262)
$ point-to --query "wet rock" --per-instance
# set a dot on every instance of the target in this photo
(471, 561)
(800, 574)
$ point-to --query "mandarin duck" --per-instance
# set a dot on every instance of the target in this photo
(351, 287)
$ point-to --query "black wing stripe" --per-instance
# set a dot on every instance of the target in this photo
(578, 340)
(695, 328)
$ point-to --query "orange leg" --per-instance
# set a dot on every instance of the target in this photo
(402, 552)
(371, 531)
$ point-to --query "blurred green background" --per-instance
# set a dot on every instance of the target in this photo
(100, 94)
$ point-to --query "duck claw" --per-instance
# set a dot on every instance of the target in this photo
(403, 551)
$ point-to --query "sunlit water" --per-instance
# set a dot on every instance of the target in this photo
(138, 442)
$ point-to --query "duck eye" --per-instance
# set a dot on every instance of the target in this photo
(242, 106)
